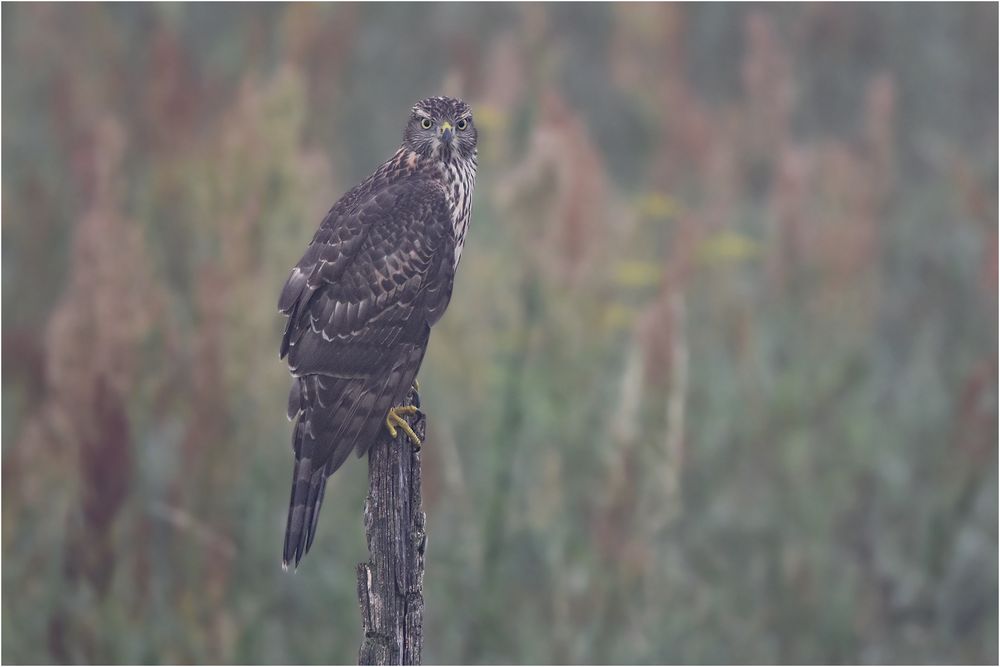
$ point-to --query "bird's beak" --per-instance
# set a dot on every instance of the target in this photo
(446, 132)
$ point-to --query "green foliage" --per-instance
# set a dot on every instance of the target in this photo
(718, 382)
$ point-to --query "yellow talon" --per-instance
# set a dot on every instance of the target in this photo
(394, 419)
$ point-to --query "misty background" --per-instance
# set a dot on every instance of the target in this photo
(718, 381)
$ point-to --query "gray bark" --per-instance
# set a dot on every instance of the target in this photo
(391, 583)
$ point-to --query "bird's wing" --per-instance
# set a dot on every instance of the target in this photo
(359, 279)
(358, 304)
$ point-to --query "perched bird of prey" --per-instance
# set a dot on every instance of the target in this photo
(361, 302)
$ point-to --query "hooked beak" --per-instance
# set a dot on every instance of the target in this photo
(446, 132)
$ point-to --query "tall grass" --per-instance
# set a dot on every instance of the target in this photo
(718, 382)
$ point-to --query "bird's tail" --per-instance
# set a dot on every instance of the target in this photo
(308, 486)
(348, 418)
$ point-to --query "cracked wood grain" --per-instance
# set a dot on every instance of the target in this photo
(391, 582)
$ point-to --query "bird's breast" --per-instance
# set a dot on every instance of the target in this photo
(460, 180)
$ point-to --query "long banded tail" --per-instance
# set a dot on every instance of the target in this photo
(308, 486)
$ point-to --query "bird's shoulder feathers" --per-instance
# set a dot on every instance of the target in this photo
(372, 253)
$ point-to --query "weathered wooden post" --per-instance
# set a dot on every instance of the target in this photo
(391, 582)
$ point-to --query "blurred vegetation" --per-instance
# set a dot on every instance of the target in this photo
(718, 382)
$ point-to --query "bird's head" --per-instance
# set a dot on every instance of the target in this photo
(442, 128)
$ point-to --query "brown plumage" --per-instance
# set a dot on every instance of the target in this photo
(362, 300)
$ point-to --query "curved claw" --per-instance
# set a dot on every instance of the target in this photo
(394, 419)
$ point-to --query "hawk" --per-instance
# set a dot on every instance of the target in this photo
(361, 302)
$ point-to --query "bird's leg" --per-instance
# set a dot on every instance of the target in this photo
(394, 419)
(416, 384)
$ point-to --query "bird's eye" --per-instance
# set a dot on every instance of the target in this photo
(426, 123)
(462, 124)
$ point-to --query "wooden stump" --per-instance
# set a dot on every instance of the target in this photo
(391, 583)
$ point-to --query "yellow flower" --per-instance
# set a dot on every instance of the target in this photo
(727, 246)
(637, 273)
(658, 206)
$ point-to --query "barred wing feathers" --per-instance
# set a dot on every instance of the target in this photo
(360, 304)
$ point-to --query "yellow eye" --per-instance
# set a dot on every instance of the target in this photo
(462, 124)
(426, 123)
